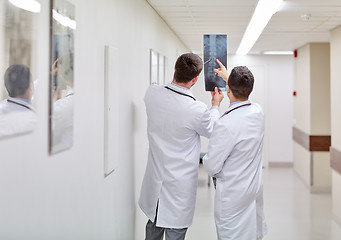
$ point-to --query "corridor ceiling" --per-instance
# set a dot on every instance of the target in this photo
(296, 23)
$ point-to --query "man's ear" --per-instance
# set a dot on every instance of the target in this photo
(228, 89)
(194, 80)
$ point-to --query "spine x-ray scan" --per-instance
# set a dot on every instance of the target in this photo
(215, 47)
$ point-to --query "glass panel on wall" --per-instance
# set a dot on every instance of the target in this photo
(153, 66)
(62, 75)
(161, 69)
(18, 66)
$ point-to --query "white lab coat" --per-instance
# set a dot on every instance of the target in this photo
(10, 105)
(234, 157)
(62, 122)
(175, 123)
(16, 117)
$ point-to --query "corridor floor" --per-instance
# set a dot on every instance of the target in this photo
(291, 212)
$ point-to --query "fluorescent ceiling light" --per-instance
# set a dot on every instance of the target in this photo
(65, 21)
(262, 15)
(278, 52)
(28, 5)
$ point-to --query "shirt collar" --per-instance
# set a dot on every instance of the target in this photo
(20, 100)
(237, 104)
(70, 92)
(231, 104)
(177, 85)
(180, 88)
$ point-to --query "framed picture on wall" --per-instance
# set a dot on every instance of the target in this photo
(111, 108)
(166, 70)
(19, 28)
(161, 71)
(63, 25)
(157, 68)
(154, 67)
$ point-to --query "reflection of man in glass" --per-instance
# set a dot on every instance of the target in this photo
(16, 112)
(20, 89)
(62, 115)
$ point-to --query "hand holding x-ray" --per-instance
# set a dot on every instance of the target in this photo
(217, 97)
(221, 71)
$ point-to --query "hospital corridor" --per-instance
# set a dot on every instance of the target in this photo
(116, 116)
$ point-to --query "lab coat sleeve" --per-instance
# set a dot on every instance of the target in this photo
(220, 146)
(207, 121)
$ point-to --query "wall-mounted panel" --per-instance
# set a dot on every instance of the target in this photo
(112, 104)
(19, 29)
(62, 93)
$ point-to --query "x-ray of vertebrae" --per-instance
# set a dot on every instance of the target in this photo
(215, 47)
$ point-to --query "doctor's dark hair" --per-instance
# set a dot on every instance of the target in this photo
(187, 67)
(241, 82)
(17, 80)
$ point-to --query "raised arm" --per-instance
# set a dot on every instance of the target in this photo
(209, 117)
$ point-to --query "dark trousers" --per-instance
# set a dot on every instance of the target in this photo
(156, 233)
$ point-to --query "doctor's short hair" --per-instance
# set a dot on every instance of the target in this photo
(17, 80)
(187, 67)
(241, 82)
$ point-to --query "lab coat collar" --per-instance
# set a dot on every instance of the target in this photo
(237, 105)
(70, 92)
(21, 102)
(179, 89)
(233, 106)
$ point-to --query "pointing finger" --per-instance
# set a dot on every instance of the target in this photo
(220, 64)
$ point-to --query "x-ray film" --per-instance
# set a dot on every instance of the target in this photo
(215, 47)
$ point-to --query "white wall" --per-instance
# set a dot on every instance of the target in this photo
(322, 171)
(335, 82)
(301, 103)
(2, 44)
(277, 101)
(302, 87)
(312, 113)
(320, 89)
(65, 196)
(335, 75)
(320, 113)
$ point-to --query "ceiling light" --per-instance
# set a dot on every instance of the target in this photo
(262, 15)
(28, 5)
(278, 52)
(65, 21)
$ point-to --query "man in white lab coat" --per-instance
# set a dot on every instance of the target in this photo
(234, 158)
(176, 120)
(16, 112)
(62, 111)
